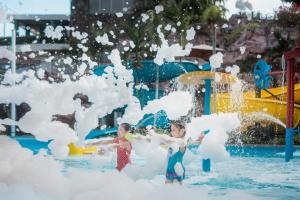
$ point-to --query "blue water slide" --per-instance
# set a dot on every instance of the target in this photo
(147, 72)
(100, 133)
(31, 143)
(162, 120)
(147, 95)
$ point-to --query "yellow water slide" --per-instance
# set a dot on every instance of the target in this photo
(277, 93)
(257, 106)
(246, 103)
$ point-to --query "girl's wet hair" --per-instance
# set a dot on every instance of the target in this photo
(179, 125)
(126, 126)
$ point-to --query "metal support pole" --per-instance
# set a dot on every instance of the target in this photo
(207, 97)
(13, 70)
(206, 164)
(156, 93)
(289, 133)
(214, 41)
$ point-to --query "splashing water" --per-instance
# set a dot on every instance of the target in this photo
(261, 116)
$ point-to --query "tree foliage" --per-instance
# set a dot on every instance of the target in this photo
(180, 14)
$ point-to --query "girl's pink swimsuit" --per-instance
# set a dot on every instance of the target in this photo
(123, 154)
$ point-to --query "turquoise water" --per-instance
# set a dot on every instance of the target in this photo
(258, 171)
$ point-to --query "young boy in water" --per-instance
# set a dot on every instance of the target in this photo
(123, 145)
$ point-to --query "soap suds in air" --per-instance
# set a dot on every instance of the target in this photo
(104, 40)
(145, 17)
(234, 70)
(169, 53)
(119, 14)
(47, 100)
(114, 89)
(159, 8)
(217, 125)
(54, 33)
(242, 49)
(190, 34)
(134, 113)
(216, 60)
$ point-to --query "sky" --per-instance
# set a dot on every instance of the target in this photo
(266, 7)
(36, 6)
(63, 6)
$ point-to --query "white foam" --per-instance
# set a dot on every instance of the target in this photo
(168, 103)
(159, 8)
(190, 34)
(145, 17)
(167, 52)
(5, 53)
(213, 144)
(48, 99)
(216, 60)
(104, 40)
(54, 33)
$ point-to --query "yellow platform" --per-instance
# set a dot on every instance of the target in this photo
(74, 150)
(248, 104)
(198, 77)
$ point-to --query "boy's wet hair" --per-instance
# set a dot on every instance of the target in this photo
(180, 125)
(126, 126)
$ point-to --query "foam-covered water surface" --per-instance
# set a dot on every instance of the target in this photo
(258, 171)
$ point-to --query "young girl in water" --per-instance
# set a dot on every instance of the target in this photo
(175, 169)
(122, 144)
(176, 145)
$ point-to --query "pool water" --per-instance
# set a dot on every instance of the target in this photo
(259, 171)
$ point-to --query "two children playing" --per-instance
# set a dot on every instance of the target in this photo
(175, 143)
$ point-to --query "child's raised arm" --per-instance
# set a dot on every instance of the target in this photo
(165, 139)
(105, 142)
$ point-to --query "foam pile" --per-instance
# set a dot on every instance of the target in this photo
(175, 104)
(213, 144)
(40, 177)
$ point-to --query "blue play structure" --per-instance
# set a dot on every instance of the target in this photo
(147, 74)
(206, 162)
(261, 74)
(99, 133)
(33, 144)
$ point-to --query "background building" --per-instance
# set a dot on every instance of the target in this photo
(86, 12)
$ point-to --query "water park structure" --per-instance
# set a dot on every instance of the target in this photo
(150, 100)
